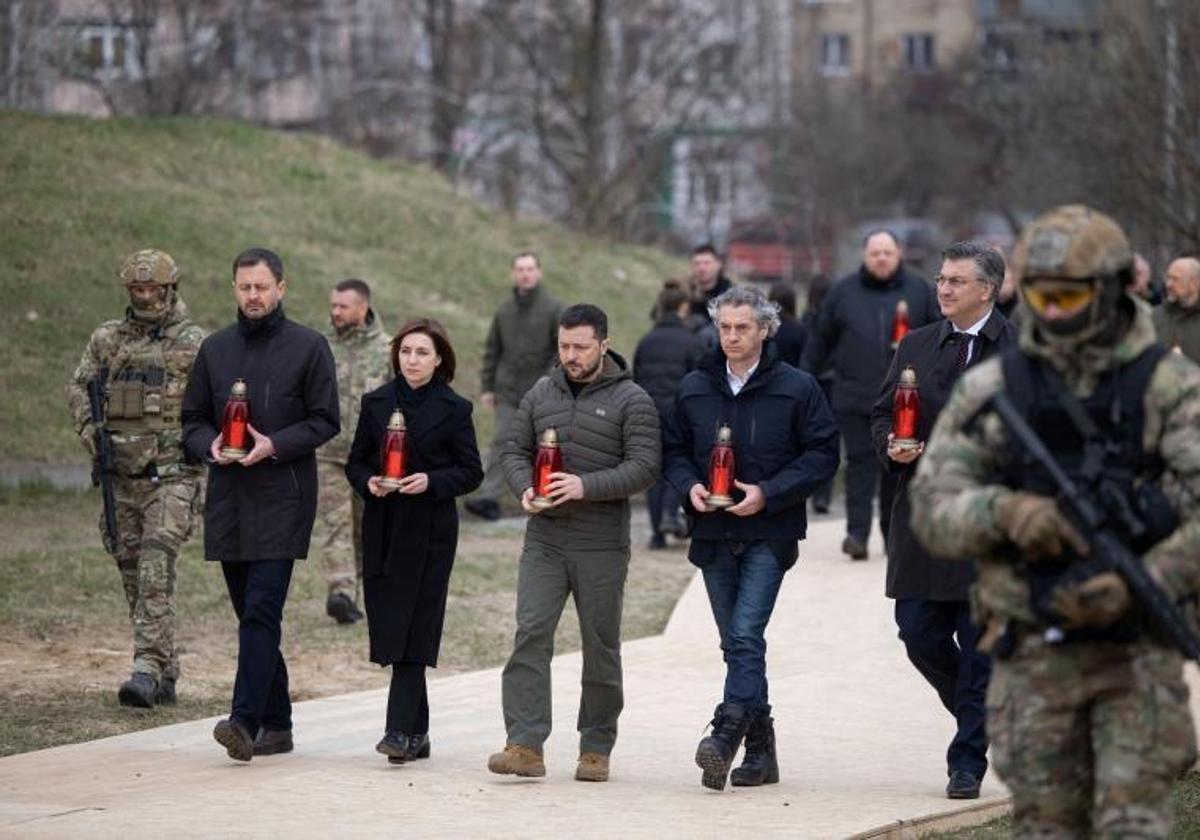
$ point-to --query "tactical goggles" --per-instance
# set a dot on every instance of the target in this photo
(1066, 296)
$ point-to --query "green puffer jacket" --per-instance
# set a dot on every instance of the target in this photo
(610, 438)
(522, 343)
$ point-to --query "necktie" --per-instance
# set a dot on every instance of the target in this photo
(964, 348)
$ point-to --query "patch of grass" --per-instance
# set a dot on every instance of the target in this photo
(65, 640)
(79, 195)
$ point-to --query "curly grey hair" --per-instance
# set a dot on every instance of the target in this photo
(766, 312)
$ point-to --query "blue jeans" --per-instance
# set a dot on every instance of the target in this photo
(741, 590)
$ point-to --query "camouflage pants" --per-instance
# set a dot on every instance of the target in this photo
(153, 521)
(339, 515)
(1090, 737)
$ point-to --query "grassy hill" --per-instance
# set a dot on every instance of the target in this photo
(79, 195)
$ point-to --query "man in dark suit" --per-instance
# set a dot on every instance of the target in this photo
(932, 611)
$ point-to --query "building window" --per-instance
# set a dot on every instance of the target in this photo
(919, 52)
(835, 54)
(109, 51)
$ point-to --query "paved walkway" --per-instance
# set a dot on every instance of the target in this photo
(861, 741)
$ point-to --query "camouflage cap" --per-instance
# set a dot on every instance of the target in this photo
(1073, 242)
(149, 266)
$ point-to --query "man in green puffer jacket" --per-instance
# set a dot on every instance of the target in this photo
(607, 428)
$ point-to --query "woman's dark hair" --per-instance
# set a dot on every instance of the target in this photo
(783, 294)
(441, 343)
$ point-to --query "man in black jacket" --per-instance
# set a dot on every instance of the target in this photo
(663, 357)
(854, 334)
(259, 510)
(785, 446)
(931, 594)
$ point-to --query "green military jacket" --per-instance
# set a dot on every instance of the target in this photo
(953, 503)
(145, 368)
(1179, 327)
(363, 358)
(521, 345)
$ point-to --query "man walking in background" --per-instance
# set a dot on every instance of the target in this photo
(1177, 319)
(361, 353)
(521, 345)
(855, 335)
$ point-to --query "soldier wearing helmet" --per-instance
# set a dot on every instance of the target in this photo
(142, 362)
(1087, 711)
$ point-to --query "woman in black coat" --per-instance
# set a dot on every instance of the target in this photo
(410, 534)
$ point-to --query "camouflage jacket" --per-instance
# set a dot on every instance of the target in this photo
(145, 368)
(363, 358)
(953, 505)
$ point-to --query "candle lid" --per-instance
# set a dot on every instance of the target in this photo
(724, 434)
(549, 438)
(396, 421)
(239, 389)
(908, 376)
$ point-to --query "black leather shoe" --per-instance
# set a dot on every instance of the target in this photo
(139, 691)
(962, 785)
(678, 526)
(341, 608)
(273, 742)
(856, 549)
(657, 542)
(418, 747)
(394, 745)
(488, 509)
(235, 738)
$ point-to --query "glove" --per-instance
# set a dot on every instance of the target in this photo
(1097, 602)
(1037, 526)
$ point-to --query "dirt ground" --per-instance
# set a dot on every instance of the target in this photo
(64, 630)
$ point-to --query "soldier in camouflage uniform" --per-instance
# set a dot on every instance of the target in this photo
(363, 355)
(1087, 712)
(143, 361)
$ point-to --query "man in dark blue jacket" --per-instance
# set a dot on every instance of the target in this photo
(785, 446)
(855, 335)
(259, 509)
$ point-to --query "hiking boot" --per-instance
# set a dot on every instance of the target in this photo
(488, 509)
(854, 547)
(592, 767)
(657, 542)
(273, 742)
(235, 738)
(759, 765)
(394, 745)
(716, 751)
(138, 691)
(165, 696)
(341, 608)
(517, 760)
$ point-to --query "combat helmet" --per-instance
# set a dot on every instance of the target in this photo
(149, 266)
(1090, 257)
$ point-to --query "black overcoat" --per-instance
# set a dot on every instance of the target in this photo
(911, 572)
(409, 541)
(265, 511)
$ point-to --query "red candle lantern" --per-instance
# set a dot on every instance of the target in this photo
(235, 432)
(720, 470)
(899, 323)
(548, 460)
(393, 451)
(906, 410)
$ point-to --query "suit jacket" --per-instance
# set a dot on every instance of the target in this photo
(912, 572)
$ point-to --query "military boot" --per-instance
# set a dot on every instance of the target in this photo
(716, 751)
(139, 691)
(165, 696)
(518, 760)
(759, 764)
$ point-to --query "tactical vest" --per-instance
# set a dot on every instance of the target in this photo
(1098, 442)
(143, 392)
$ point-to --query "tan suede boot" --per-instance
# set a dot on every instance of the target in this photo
(592, 767)
(517, 760)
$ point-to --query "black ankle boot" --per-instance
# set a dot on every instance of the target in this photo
(716, 751)
(759, 765)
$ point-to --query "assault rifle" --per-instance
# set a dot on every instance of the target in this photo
(102, 462)
(1094, 519)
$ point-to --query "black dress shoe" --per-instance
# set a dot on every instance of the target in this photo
(418, 747)
(394, 745)
(657, 542)
(962, 785)
(273, 742)
(856, 549)
(488, 509)
(341, 608)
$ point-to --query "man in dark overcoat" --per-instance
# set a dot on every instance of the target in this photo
(932, 611)
(259, 510)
